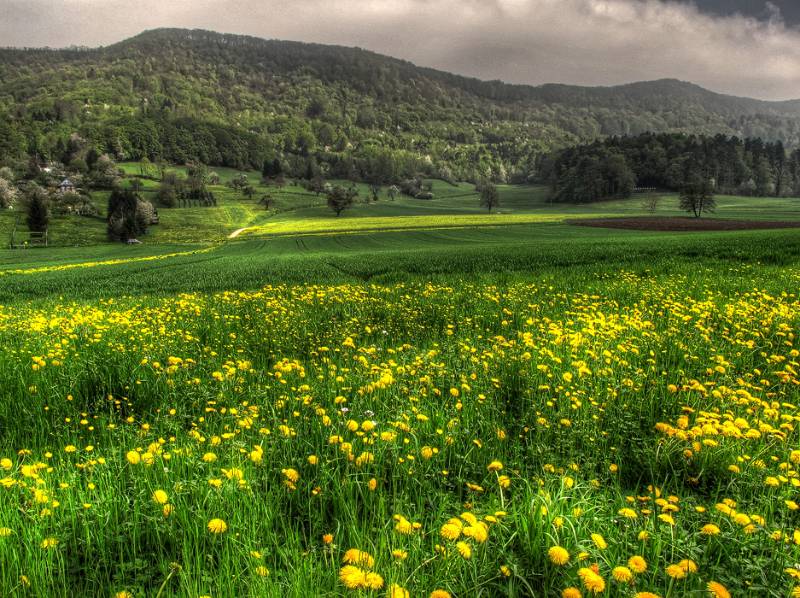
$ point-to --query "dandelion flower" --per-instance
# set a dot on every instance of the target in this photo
(558, 555)
(717, 590)
(571, 593)
(217, 526)
(160, 497)
(354, 556)
(396, 591)
(637, 564)
(352, 577)
(592, 581)
(464, 549)
(709, 529)
(599, 541)
(622, 574)
(373, 581)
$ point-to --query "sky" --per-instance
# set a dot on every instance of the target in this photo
(741, 47)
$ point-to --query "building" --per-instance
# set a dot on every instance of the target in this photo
(66, 186)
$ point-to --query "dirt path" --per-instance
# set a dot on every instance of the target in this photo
(237, 232)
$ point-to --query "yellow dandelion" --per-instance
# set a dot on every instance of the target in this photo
(217, 526)
(558, 555)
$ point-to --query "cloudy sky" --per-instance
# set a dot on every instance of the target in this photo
(742, 47)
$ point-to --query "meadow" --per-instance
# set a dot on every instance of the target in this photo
(414, 399)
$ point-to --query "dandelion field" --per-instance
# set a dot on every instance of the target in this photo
(620, 432)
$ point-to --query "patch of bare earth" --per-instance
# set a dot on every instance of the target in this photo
(683, 224)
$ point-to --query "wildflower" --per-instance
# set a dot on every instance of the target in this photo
(709, 529)
(217, 526)
(622, 574)
(400, 555)
(558, 555)
(637, 564)
(133, 457)
(628, 513)
(478, 532)
(592, 581)
(373, 581)
(160, 497)
(717, 590)
(494, 466)
(451, 530)
(599, 541)
(571, 593)
(396, 591)
(354, 556)
(681, 569)
(464, 549)
(48, 543)
(327, 538)
(440, 594)
(291, 474)
(352, 577)
(262, 571)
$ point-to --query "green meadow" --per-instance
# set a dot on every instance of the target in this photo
(417, 398)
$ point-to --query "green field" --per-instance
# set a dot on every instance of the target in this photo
(414, 399)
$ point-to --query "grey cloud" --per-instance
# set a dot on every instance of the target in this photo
(590, 42)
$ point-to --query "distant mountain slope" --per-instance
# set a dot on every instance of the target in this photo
(182, 94)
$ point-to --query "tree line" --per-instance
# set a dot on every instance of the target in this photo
(615, 167)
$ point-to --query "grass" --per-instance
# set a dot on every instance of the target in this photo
(466, 398)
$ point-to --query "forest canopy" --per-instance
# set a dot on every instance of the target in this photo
(195, 96)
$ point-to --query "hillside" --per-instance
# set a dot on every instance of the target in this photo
(236, 101)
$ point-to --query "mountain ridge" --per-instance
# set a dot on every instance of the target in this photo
(297, 100)
(157, 33)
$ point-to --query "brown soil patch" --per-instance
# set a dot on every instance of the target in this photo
(682, 224)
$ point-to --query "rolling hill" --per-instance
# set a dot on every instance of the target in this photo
(232, 100)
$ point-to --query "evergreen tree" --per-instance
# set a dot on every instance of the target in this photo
(37, 208)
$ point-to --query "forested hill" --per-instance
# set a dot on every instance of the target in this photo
(232, 100)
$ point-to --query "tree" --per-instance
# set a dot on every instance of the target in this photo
(375, 191)
(126, 218)
(316, 185)
(490, 198)
(697, 196)
(341, 198)
(249, 191)
(650, 202)
(37, 208)
(240, 181)
(144, 167)
(8, 193)
(267, 201)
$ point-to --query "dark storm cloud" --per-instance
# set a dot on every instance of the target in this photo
(787, 10)
(591, 42)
